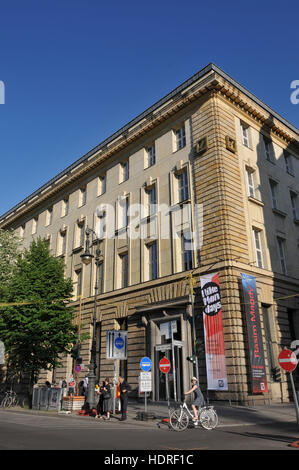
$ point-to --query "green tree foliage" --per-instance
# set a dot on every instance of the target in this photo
(9, 246)
(36, 334)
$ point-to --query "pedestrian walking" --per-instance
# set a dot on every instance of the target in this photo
(124, 388)
(199, 400)
(107, 398)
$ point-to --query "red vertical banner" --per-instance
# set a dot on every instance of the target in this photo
(213, 330)
(254, 333)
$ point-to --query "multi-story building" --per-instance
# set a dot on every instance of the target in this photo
(209, 161)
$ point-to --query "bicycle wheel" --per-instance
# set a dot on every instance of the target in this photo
(179, 420)
(214, 418)
(14, 401)
(3, 402)
(207, 419)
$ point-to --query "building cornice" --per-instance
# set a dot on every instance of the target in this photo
(210, 79)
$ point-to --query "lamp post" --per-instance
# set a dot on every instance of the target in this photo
(87, 258)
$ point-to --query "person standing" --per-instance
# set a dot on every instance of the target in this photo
(124, 388)
(107, 397)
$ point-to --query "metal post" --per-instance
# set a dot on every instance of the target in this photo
(173, 363)
(194, 337)
(295, 398)
(114, 385)
(145, 402)
(86, 258)
(167, 392)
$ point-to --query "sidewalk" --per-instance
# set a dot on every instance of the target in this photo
(228, 415)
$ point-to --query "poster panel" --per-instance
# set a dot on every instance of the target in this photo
(213, 330)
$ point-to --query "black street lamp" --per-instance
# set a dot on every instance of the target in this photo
(87, 258)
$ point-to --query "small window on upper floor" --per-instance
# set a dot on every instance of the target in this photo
(124, 171)
(49, 215)
(179, 138)
(268, 149)
(82, 196)
(250, 182)
(294, 203)
(288, 162)
(150, 155)
(65, 207)
(34, 225)
(245, 134)
(102, 184)
(274, 193)
(183, 185)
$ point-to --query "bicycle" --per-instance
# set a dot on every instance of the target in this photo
(207, 417)
(10, 399)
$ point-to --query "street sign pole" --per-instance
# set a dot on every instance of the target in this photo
(167, 393)
(114, 386)
(173, 363)
(295, 398)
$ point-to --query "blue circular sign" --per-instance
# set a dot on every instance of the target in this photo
(146, 364)
(119, 343)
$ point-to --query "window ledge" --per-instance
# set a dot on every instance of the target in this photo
(77, 249)
(279, 212)
(296, 221)
(256, 201)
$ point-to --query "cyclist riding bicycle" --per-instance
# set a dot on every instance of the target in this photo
(199, 399)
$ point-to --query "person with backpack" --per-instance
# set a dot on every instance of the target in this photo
(124, 388)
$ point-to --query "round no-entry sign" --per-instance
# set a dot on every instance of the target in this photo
(164, 365)
(287, 360)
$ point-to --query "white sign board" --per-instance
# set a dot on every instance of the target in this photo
(145, 382)
(165, 328)
(2, 353)
(117, 344)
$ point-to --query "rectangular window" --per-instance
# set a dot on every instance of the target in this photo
(22, 231)
(124, 264)
(62, 243)
(80, 234)
(183, 187)
(102, 184)
(49, 214)
(65, 207)
(245, 134)
(281, 252)
(34, 225)
(288, 163)
(123, 212)
(125, 171)
(268, 149)
(151, 155)
(83, 196)
(152, 200)
(78, 283)
(186, 244)
(180, 137)
(258, 248)
(293, 197)
(250, 183)
(153, 261)
(274, 193)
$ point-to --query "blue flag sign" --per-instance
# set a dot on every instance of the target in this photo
(146, 364)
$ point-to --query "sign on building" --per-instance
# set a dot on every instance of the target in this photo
(117, 344)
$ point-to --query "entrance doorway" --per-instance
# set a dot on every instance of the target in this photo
(175, 375)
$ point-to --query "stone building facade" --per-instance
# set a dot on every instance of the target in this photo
(219, 164)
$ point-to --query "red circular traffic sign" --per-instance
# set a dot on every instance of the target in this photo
(287, 360)
(164, 365)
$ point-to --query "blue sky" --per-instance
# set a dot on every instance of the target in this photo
(75, 72)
